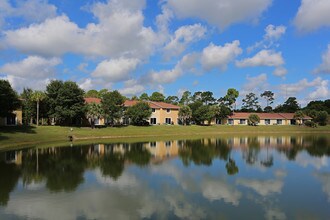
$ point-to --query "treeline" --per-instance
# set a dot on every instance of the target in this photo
(63, 103)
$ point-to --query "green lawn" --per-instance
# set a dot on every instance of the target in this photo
(11, 137)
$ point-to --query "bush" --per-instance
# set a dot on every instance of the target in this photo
(253, 120)
(322, 118)
(310, 124)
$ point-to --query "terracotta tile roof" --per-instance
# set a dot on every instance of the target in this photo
(291, 116)
(156, 105)
(245, 115)
(92, 100)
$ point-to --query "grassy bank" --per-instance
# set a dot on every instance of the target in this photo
(32, 136)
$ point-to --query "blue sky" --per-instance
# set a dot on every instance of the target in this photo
(170, 46)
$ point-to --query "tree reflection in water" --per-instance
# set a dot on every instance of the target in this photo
(63, 168)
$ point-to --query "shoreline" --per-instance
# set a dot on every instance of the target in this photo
(16, 137)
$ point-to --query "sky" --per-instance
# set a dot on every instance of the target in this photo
(170, 46)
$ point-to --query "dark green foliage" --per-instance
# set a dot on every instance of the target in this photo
(157, 97)
(139, 113)
(28, 106)
(322, 118)
(65, 101)
(310, 124)
(224, 112)
(253, 119)
(250, 103)
(92, 94)
(185, 114)
(186, 98)
(138, 154)
(113, 106)
(269, 96)
(8, 99)
(318, 106)
(230, 98)
(144, 97)
(290, 105)
(172, 100)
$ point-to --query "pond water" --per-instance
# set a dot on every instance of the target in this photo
(262, 177)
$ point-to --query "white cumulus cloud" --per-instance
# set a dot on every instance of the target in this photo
(115, 70)
(312, 14)
(324, 67)
(119, 32)
(263, 58)
(221, 13)
(183, 36)
(31, 11)
(31, 67)
(215, 56)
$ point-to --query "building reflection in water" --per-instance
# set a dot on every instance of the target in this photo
(63, 168)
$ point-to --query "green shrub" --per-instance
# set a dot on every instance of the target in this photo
(310, 124)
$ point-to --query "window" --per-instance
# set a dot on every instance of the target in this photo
(218, 121)
(11, 119)
(168, 121)
(168, 110)
(231, 121)
(96, 121)
(242, 121)
(168, 143)
(153, 110)
(279, 121)
(153, 121)
(153, 144)
(267, 121)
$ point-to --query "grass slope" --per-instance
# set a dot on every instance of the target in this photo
(33, 136)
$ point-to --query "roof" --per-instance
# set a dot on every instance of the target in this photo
(245, 115)
(92, 100)
(157, 105)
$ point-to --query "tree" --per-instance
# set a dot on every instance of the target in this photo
(231, 167)
(202, 114)
(139, 113)
(157, 97)
(186, 98)
(322, 118)
(92, 94)
(299, 115)
(172, 100)
(102, 92)
(113, 105)
(27, 105)
(8, 99)
(94, 111)
(38, 96)
(290, 105)
(250, 103)
(66, 102)
(144, 97)
(253, 119)
(224, 112)
(230, 98)
(185, 114)
(269, 96)
(207, 98)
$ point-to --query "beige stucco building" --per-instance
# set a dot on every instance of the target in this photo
(162, 113)
(14, 119)
(241, 118)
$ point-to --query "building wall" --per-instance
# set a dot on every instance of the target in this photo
(162, 114)
(18, 118)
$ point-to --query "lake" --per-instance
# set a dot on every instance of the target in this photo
(263, 177)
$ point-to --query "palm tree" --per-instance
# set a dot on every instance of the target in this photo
(93, 112)
(38, 96)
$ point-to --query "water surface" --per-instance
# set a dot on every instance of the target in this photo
(262, 177)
